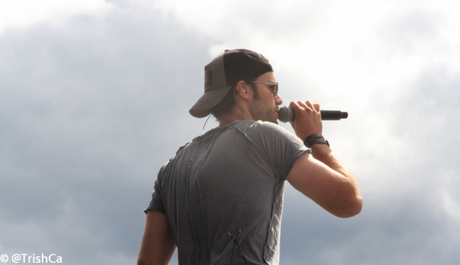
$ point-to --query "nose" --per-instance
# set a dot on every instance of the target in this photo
(278, 100)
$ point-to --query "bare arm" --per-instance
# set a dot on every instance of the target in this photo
(158, 244)
(322, 176)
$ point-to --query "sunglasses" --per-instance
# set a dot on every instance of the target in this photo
(274, 86)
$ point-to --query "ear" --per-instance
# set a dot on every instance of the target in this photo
(241, 89)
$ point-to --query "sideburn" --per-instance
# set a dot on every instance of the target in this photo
(256, 92)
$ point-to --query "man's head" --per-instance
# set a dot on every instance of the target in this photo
(221, 77)
(263, 105)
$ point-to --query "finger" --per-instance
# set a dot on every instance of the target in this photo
(304, 105)
(317, 107)
(295, 106)
(309, 105)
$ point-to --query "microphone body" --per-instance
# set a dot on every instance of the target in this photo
(286, 114)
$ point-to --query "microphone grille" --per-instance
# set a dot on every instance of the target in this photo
(285, 114)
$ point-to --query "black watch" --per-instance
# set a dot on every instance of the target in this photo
(315, 138)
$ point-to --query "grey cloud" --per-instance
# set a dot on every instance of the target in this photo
(392, 229)
(83, 107)
(405, 219)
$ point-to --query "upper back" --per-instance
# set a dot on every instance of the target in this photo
(228, 179)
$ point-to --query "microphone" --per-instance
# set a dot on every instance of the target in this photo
(286, 114)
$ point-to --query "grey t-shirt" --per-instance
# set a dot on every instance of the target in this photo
(223, 193)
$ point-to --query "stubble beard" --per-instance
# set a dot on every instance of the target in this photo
(260, 112)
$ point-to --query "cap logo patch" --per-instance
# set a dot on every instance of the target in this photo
(207, 79)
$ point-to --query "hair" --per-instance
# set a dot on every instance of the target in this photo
(225, 106)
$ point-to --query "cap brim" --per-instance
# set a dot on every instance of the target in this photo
(210, 99)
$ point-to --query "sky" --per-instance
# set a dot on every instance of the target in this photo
(94, 98)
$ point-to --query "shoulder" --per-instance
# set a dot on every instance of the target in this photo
(267, 130)
(166, 166)
(269, 134)
(261, 127)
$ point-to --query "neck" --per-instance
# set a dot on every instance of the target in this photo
(236, 114)
(228, 119)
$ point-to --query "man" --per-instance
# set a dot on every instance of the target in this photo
(220, 199)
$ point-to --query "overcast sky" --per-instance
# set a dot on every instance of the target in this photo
(94, 98)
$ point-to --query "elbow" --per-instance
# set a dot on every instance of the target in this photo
(352, 208)
(141, 262)
(355, 207)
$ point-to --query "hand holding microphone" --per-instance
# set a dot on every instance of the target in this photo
(310, 129)
(286, 114)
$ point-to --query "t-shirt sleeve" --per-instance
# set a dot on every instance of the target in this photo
(281, 147)
(156, 203)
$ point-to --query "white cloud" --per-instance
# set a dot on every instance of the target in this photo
(26, 13)
(353, 46)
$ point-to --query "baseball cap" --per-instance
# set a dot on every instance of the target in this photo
(223, 72)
